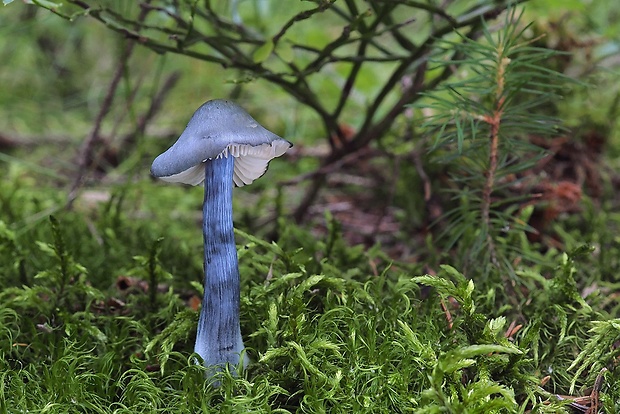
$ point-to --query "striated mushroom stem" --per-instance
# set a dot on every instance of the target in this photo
(218, 340)
(235, 149)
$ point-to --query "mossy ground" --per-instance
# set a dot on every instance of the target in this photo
(329, 328)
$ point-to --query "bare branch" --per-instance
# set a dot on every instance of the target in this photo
(88, 146)
(300, 17)
(365, 38)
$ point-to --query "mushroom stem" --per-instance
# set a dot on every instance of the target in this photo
(218, 340)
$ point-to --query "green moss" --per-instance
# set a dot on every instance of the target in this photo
(335, 339)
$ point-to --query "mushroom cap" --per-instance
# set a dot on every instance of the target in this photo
(220, 128)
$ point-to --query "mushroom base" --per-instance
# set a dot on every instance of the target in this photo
(218, 340)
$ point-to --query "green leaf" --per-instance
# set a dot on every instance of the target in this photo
(46, 248)
(285, 51)
(44, 3)
(462, 357)
(452, 272)
(496, 325)
(444, 286)
(272, 353)
(263, 52)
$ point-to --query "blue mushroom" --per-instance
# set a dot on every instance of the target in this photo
(221, 145)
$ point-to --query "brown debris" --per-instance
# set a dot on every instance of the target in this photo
(512, 330)
(559, 181)
(194, 303)
(589, 404)
(127, 284)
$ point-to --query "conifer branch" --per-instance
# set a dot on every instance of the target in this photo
(494, 121)
(480, 124)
